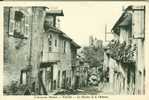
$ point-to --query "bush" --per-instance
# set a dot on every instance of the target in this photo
(11, 89)
(121, 52)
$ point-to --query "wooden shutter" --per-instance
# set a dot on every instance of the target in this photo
(26, 32)
(11, 21)
(138, 22)
(22, 25)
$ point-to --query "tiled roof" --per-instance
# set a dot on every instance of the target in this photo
(54, 29)
(64, 35)
(121, 20)
(75, 44)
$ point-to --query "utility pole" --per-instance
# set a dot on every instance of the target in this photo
(105, 33)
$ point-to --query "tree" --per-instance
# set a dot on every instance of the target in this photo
(93, 56)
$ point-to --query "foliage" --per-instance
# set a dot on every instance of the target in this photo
(93, 56)
(121, 52)
(14, 88)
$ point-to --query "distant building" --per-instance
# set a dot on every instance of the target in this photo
(98, 43)
(91, 41)
(94, 42)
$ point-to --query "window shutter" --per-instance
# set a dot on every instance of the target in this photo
(26, 28)
(11, 21)
(23, 26)
(50, 42)
(138, 24)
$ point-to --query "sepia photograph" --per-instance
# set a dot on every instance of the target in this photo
(79, 49)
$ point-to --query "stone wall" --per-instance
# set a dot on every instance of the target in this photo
(22, 49)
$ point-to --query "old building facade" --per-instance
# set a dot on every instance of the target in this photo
(59, 54)
(37, 55)
(21, 53)
(124, 56)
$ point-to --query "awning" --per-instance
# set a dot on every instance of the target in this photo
(55, 12)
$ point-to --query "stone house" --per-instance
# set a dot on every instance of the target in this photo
(22, 44)
(94, 42)
(58, 56)
(124, 56)
(37, 57)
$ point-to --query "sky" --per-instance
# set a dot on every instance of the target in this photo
(83, 19)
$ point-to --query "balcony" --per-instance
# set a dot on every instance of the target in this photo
(51, 57)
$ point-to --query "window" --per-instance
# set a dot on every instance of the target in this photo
(18, 25)
(50, 42)
(50, 36)
(58, 81)
(23, 79)
(48, 22)
(50, 49)
(64, 46)
(55, 43)
(54, 87)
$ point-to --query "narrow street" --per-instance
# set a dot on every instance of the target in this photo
(52, 51)
(90, 90)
